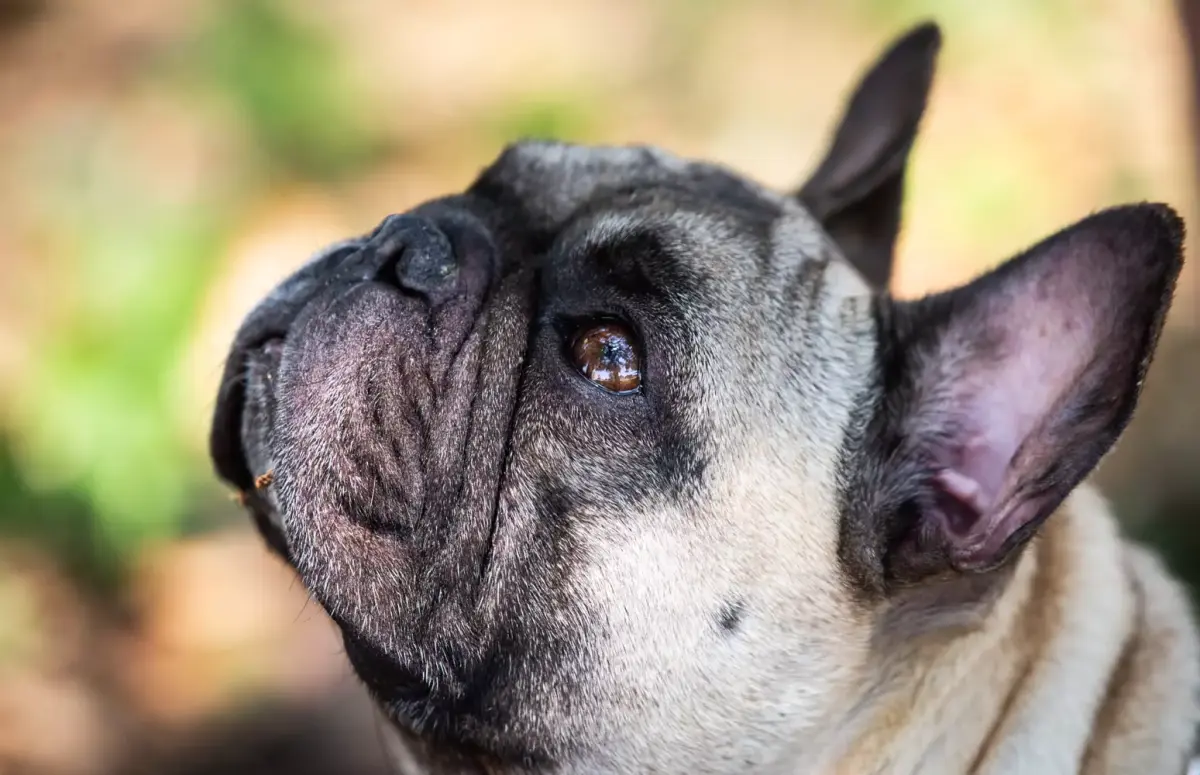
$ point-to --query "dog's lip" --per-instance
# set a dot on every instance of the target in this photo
(226, 440)
(271, 320)
(225, 437)
(232, 459)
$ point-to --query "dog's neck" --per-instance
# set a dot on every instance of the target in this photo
(1005, 695)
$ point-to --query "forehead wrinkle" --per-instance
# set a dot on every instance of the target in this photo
(617, 242)
(689, 243)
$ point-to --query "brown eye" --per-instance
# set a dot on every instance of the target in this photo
(606, 353)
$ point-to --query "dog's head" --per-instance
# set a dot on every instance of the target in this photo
(617, 458)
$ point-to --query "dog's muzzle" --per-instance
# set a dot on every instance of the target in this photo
(418, 254)
(351, 399)
(372, 396)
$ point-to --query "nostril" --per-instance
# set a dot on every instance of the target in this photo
(414, 254)
(425, 271)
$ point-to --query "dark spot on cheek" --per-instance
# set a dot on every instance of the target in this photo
(729, 618)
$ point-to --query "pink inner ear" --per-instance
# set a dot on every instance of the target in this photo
(1006, 370)
(1023, 379)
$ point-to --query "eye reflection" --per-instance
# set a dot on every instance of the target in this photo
(607, 355)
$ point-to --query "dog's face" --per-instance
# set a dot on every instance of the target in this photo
(617, 461)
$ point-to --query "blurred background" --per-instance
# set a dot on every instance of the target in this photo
(163, 164)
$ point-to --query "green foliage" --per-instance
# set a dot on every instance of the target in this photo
(61, 520)
(1169, 527)
(544, 118)
(96, 424)
(962, 14)
(287, 82)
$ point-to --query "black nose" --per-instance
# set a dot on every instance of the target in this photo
(412, 253)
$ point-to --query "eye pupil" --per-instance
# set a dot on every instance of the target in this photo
(606, 354)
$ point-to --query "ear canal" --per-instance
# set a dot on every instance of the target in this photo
(857, 191)
(999, 397)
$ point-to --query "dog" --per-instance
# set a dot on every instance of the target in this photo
(617, 462)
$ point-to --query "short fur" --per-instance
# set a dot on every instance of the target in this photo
(832, 532)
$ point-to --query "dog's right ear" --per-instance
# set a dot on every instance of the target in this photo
(995, 399)
(857, 191)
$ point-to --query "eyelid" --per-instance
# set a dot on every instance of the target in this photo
(567, 323)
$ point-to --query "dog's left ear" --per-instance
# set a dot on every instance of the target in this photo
(994, 400)
(857, 190)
